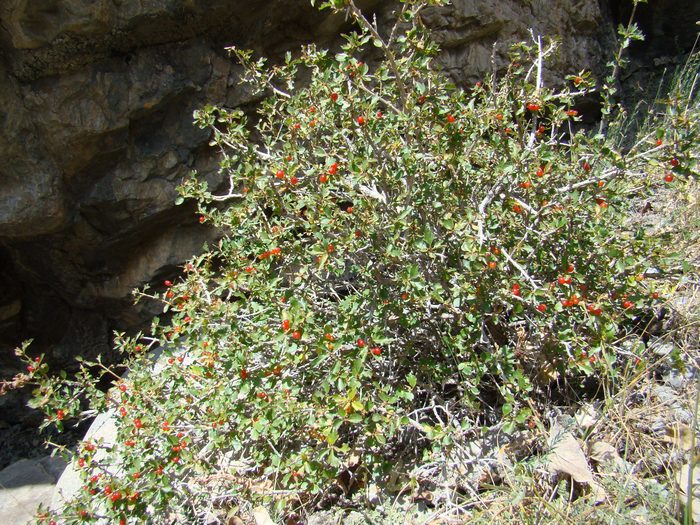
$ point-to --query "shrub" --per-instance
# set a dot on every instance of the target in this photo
(401, 260)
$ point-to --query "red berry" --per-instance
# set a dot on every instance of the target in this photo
(202, 218)
(138, 423)
(380, 114)
(129, 442)
(285, 325)
(586, 166)
(261, 395)
(668, 177)
(122, 387)
(323, 179)
(499, 116)
(330, 248)
(376, 351)
(334, 97)
(348, 209)
(572, 112)
(492, 265)
(30, 369)
(296, 335)
(577, 80)
(627, 304)
(517, 208)
(450, 119)
(421, 100)
(593, 310)
(60, 414)
(570, 268)
(280, 174)
(248, 269)
(516, 289)
(167, 283)
(674, 162)
(115, 496)
(361, 343)
(540, 172)
(243, 373)
(361, 120)
(333, 168)
(542, 307)
(526, 184)
(659, 142)
(122, 411)
(655, 295)
(540, 130)
(293, 181)
(533, 107)
(329, 337)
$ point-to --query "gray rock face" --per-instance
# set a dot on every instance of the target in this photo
(470, 29)
(96, 101)
(25, 485)
(96, 111)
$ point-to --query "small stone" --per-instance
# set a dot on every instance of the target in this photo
(662, 349)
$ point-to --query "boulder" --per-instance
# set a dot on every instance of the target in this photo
(25, 485)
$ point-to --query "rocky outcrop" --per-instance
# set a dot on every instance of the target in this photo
(96, 108)
(25, 485)
(97, 101)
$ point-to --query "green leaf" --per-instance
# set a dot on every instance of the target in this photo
(411, 379)
(355, 417)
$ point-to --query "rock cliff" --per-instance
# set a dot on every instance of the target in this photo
(96, 101)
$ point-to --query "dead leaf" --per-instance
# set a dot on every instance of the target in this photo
(680, 436)
(566, 456)
(352, 460)
(262, 517)
(587, 416)
(373, 493)
(682, 480)
(604, 453)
